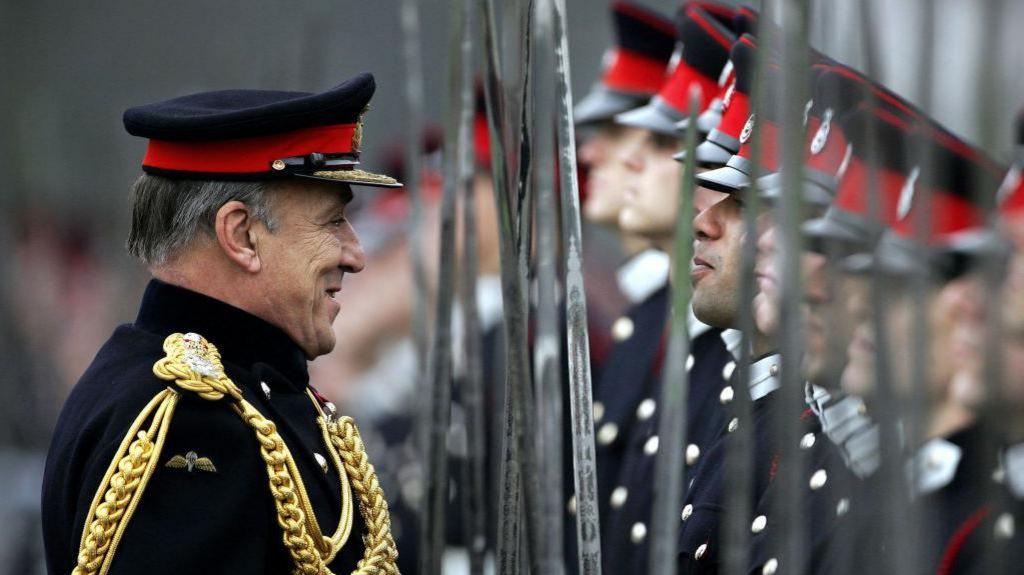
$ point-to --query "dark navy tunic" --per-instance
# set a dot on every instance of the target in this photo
(631, 499)
(191, 521)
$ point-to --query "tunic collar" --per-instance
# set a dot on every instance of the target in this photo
(644, 274)
(242, 338)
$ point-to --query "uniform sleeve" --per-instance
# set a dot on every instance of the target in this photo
(215, 517)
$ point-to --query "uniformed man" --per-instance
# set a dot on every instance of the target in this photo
(635, 69)
(194, 442)
(631, 394)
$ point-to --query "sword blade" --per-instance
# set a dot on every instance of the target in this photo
(432, 541)
(577, 345)
(669, 488)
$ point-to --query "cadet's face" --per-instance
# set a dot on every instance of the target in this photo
(1013, 328)
(946, 307)
(608, 177)
(652, 191)
(766, 270)
(829, 326)
(858, 376)
(719, 232)
(304, 260)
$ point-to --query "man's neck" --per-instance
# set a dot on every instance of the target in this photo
(947, 418)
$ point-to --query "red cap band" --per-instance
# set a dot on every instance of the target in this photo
(634, 72)
(829, 158)
(852, 195)
(247, 155)
(676, 90)
(735, 115)
(769, 145)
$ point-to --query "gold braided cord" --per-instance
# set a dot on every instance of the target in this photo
(123, 485)
(344, 530)
(381, 554)
(194, 364)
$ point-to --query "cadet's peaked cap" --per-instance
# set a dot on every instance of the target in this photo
(724, 140)
(705, 50)
(635, 68)
(258, 135)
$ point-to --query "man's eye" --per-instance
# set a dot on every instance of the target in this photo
(337, 222)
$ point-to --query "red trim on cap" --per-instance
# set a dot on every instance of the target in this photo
(769, 144)
(676, 90)
(852, 195)
(715, 8)
(934, 130)
(1014, 202)
(708, 27)
(950, 214)
(481, 142)
(247, 155)
(634, 72)
(735, 115)
(638, 13)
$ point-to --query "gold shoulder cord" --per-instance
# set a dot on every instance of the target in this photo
(194, 365)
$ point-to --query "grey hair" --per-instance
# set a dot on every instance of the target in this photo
(168, 213)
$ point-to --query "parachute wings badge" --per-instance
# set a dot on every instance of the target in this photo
(191, 461)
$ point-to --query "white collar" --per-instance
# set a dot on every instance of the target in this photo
(644, 274)
(489, 301)
(697, 327)
(764, 376)
(1013, 464)
(733, 339)
(935, 462)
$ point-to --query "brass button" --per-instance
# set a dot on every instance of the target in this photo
(726, 396)
(651, 447)
(619, 495)
(571, 505)
(699, 553)
(818, 479)
(646, 409)
(622, 329)
(278, 165)
(692, 453)
(807, 441)
(607, 434)
(265, 388)
(770, 567)
(598, 411)
(759, 524)
(728, 369)
(774, 369)
(638, 533)
(689, 362)
(687, 511)
(1005, 526)
(842, 507)
(734, 423)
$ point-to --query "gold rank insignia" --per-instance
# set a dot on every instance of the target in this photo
(191, 461)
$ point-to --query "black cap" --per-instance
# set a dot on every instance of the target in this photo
(259, 134)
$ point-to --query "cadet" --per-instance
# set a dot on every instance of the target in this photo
(194, 442)
(650, 211)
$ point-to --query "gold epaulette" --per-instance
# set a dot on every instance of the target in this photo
(193, 364)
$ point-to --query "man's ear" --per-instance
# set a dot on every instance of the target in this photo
(234, 226)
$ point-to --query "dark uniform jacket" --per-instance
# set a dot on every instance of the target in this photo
(631, 500)
(191, 520)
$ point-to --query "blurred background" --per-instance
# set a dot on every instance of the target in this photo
(69, 69)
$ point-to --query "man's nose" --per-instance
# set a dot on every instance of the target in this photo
(353, 258)
(705, 224)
